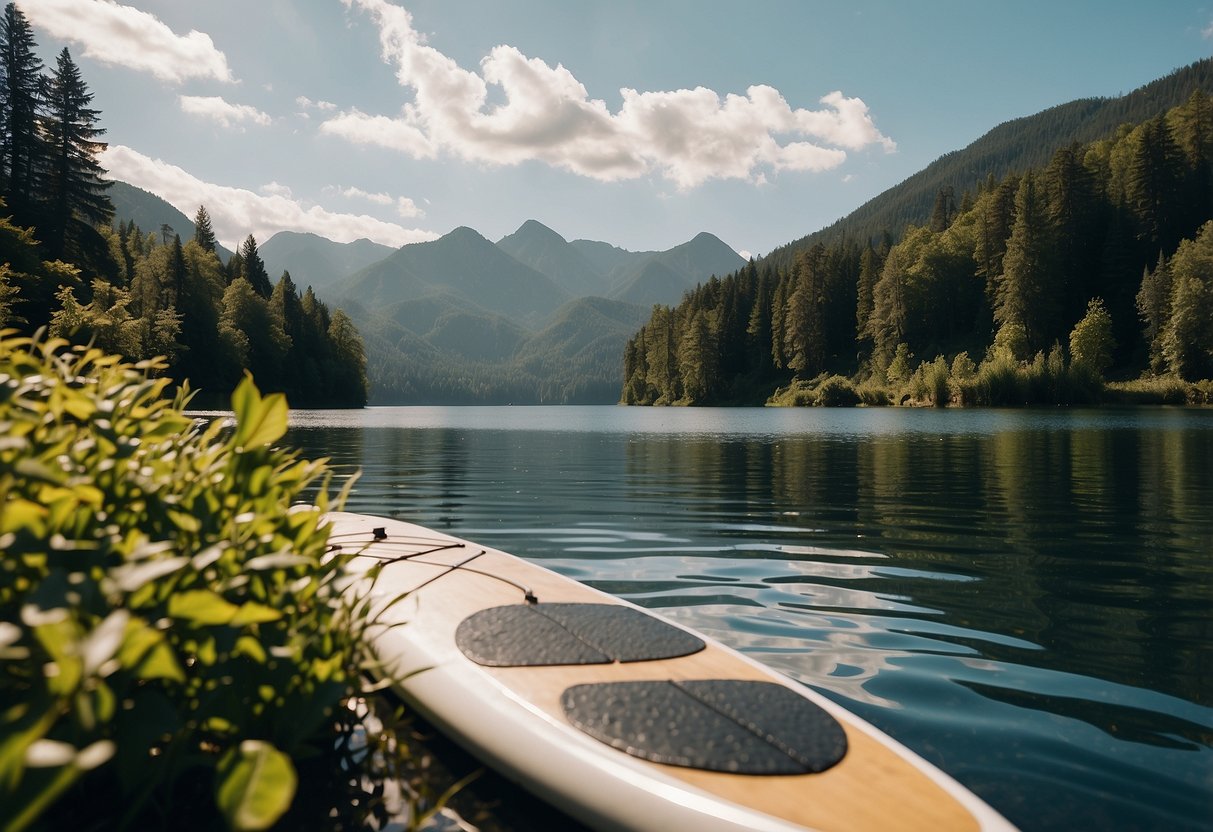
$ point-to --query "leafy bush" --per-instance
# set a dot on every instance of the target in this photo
(930, 383)
(836, 391)
(873, 394)
(173, 639)
(999, 382)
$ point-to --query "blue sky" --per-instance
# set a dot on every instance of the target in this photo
(637, 123)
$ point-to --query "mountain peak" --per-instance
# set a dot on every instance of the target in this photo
(533, 231)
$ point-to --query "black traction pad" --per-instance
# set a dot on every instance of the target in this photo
(532, 635)
(728, 725)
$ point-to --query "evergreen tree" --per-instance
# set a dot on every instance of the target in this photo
(996, 215)
(1025, 289)
(661, 355)
(889, 321)
(944, 210)
(349, 357)
(1075, 210)
(758, 327)
(869, 272)
(1154, 186)
(21, 88)
(202, 357)
(1192, 127)
(204, 235)
(698, 354)
(1187, 337)
(804, 319)
(1154, 307)
(254, 269)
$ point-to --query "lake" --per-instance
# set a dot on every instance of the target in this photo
(1023, 597)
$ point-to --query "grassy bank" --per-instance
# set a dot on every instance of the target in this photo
(1000, 381)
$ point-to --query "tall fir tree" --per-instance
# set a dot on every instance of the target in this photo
(75, 184)
(1025, 289)
(1154, 307)
(204, 235)
(254, 268)
(21, 88)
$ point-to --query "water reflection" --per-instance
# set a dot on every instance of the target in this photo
(1023, 597)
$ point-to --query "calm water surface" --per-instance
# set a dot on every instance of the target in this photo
(1025, 598)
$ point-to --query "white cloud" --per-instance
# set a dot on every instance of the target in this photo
(305, 103)
(125, 36)
(277, 189)
(236, 212)
(686, 136)
(408, 209)
(357, 193)
(223, 113)
(405, 207)
(1207, 32)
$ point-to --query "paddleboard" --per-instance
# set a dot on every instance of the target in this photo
(618, 717)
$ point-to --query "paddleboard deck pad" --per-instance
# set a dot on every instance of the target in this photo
(620, 718)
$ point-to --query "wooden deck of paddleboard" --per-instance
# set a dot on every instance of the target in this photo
(512, 717)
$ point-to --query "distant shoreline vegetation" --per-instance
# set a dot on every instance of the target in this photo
(1034, 290)
(64, 268)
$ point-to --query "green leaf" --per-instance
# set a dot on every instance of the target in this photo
(254, 613)
(201, 606)
(183, 521)
(256, 783)
(259, 421)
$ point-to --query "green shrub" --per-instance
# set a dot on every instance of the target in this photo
(999, 382)
(173, 640)
(873, 394)
(930, 383)
(836, 391)
(962, 380)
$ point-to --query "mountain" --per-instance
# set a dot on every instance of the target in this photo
(545, 251)
(464, 264)
(316, 261)
(150, 212)
(609, 259)
(665, 276)
(1011, 147)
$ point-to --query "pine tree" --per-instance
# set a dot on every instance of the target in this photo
(21, 151)
(349, 385)
(804, 322)
(1075, 211)
(889, 321)
(869, 272)
(1154, 307)
(1025, 289)
(254, 268)
(1154, 186)
(1187, 337)
(698, 354)
(996, 215)
(204, 235)
(75, 183)
(944, 210)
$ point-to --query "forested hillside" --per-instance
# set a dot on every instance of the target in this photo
(150, 212)
(142, 293)
(1107, 250)
(1010, 148)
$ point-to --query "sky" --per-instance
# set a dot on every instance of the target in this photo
(636, 122)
